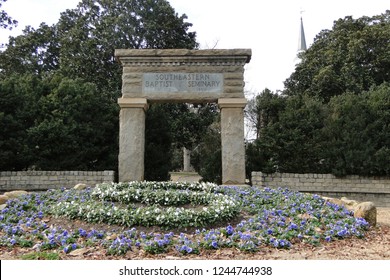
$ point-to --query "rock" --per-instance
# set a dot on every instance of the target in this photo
(349, 202)
(15, 194)
(79, 252)
(366, 210)
(333, 200)
(80, 186)
(3, 199)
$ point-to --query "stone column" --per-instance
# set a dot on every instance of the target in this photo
(187, 160)
(232, 140)
(132, 139)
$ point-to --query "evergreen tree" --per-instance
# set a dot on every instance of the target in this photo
(335, 117)
(351, 57)
(73, 120)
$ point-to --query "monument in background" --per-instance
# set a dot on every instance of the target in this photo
(180, 75)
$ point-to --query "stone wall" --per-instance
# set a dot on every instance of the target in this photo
(43, 180)
(375, 189)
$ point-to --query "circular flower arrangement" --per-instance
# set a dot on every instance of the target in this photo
(277, 218)
(156, 205)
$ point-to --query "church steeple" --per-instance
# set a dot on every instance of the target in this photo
(302, 40)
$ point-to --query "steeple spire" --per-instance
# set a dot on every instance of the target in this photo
(302, 41)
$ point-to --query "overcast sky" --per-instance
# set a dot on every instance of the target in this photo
(269, 28)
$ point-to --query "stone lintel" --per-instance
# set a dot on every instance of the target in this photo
(194, 54)
(147, 60)
(133, 103)
(232, 102)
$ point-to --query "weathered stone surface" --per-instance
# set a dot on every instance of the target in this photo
(349, 202)
(80, 186)
(366, 210)
(15, 194)
(185, 82)
(43, 180)
(144, 53)
(232, 140)
(231, 89)
(157, 75)
(131, 144)
(3, 199)
(359, 188)
(187, 160)
(228, 63)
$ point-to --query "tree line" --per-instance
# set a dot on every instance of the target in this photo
(333, 115)
(59, 86)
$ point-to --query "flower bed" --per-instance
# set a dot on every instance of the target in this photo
(276, 218)
(96, 209)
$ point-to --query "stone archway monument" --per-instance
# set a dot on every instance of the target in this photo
(180, 75)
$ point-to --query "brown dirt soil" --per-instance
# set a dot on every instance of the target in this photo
(374, 246)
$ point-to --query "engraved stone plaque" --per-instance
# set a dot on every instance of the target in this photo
(182, 82)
